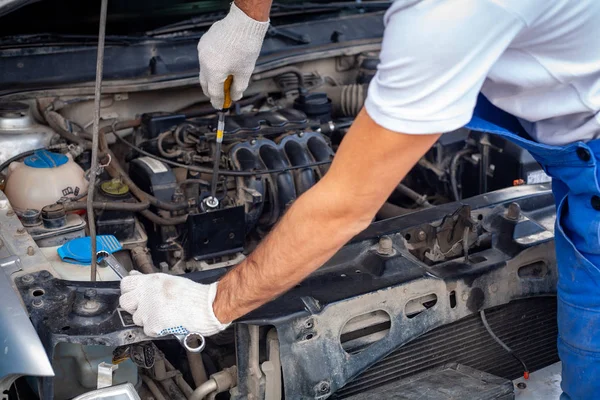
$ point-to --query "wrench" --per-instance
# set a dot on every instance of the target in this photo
(108, 260)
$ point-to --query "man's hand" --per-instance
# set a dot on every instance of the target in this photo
(165, 304)
(231, 47)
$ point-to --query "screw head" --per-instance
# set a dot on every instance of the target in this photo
(513, 212)
(421, 235)
(308, 324)
(324, 387)
(37, 303)
(465, 296)
(30, 251)
(27, 279)
(21, 231)
(521, 385)
(385, 246)
(90, 294)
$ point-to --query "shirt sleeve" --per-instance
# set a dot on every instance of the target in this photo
(434, 59)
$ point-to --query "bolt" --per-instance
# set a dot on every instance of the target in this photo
(89, 294)
(177, 254)
(231, 235)
(91, 305)
(10, 213)
(465, 296)
(27, 279)
(61, 297)
(300, 134)
(253, 142)
(421, 235)
(324, 387)
(37, 303)
(521, 385)
(45, 274)
(385, 246)
(30, 251)
(494, 288)
(21, 231)
(513, 212)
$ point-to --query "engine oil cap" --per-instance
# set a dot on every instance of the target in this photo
(114, 187)
(46, 159)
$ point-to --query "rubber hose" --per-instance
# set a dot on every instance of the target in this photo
(204, 390)
(157, 219)
(109, 206)
(142, 260)
(162, 151)
(280, 71)
(53, 118)
(414, 196)
(389, 210)
(115, 170)
(454, 171)
(153, 388)
(347, 100)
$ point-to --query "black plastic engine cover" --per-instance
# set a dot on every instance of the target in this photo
(264, 123)
(216, 233)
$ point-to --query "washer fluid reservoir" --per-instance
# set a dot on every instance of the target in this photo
(43, 179)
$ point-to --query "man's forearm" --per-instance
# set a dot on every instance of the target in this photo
(255, 9)
(306, 237)
(369, 163)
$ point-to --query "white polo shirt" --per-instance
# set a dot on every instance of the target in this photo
(536, 59)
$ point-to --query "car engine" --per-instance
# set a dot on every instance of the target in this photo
(427, 248)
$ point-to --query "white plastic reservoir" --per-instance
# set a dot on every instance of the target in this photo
(43, 179)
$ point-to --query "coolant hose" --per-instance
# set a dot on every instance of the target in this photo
(109, 206)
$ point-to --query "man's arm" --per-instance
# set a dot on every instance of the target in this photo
(369, 164)
(255, 9)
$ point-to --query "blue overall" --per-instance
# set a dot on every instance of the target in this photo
(575, 177)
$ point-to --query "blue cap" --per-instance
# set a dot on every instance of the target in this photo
(79, 250)
(46, 159)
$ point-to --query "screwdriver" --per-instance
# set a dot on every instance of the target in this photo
(212, 201)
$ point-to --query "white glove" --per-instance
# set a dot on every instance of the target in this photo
(230, 47)
(165, 304)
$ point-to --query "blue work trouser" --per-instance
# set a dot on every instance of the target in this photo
(575, 184)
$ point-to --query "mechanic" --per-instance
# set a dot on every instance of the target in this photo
(538, 60)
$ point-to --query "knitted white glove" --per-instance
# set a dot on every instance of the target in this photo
(230, 47)
(165, 304)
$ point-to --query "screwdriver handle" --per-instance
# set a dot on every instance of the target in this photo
(227, 91)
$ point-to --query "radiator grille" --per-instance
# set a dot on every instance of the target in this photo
(527, 326)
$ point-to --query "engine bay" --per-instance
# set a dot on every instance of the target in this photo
(427, 248)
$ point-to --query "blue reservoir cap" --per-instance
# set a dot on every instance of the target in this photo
(79, 250)
(46, 159)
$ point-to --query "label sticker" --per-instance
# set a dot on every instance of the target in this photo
(126, 318)
(155, 165)
(536, 177)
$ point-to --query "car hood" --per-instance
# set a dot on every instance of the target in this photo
(7, 6)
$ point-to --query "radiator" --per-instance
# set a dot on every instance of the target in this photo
(527, 326)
